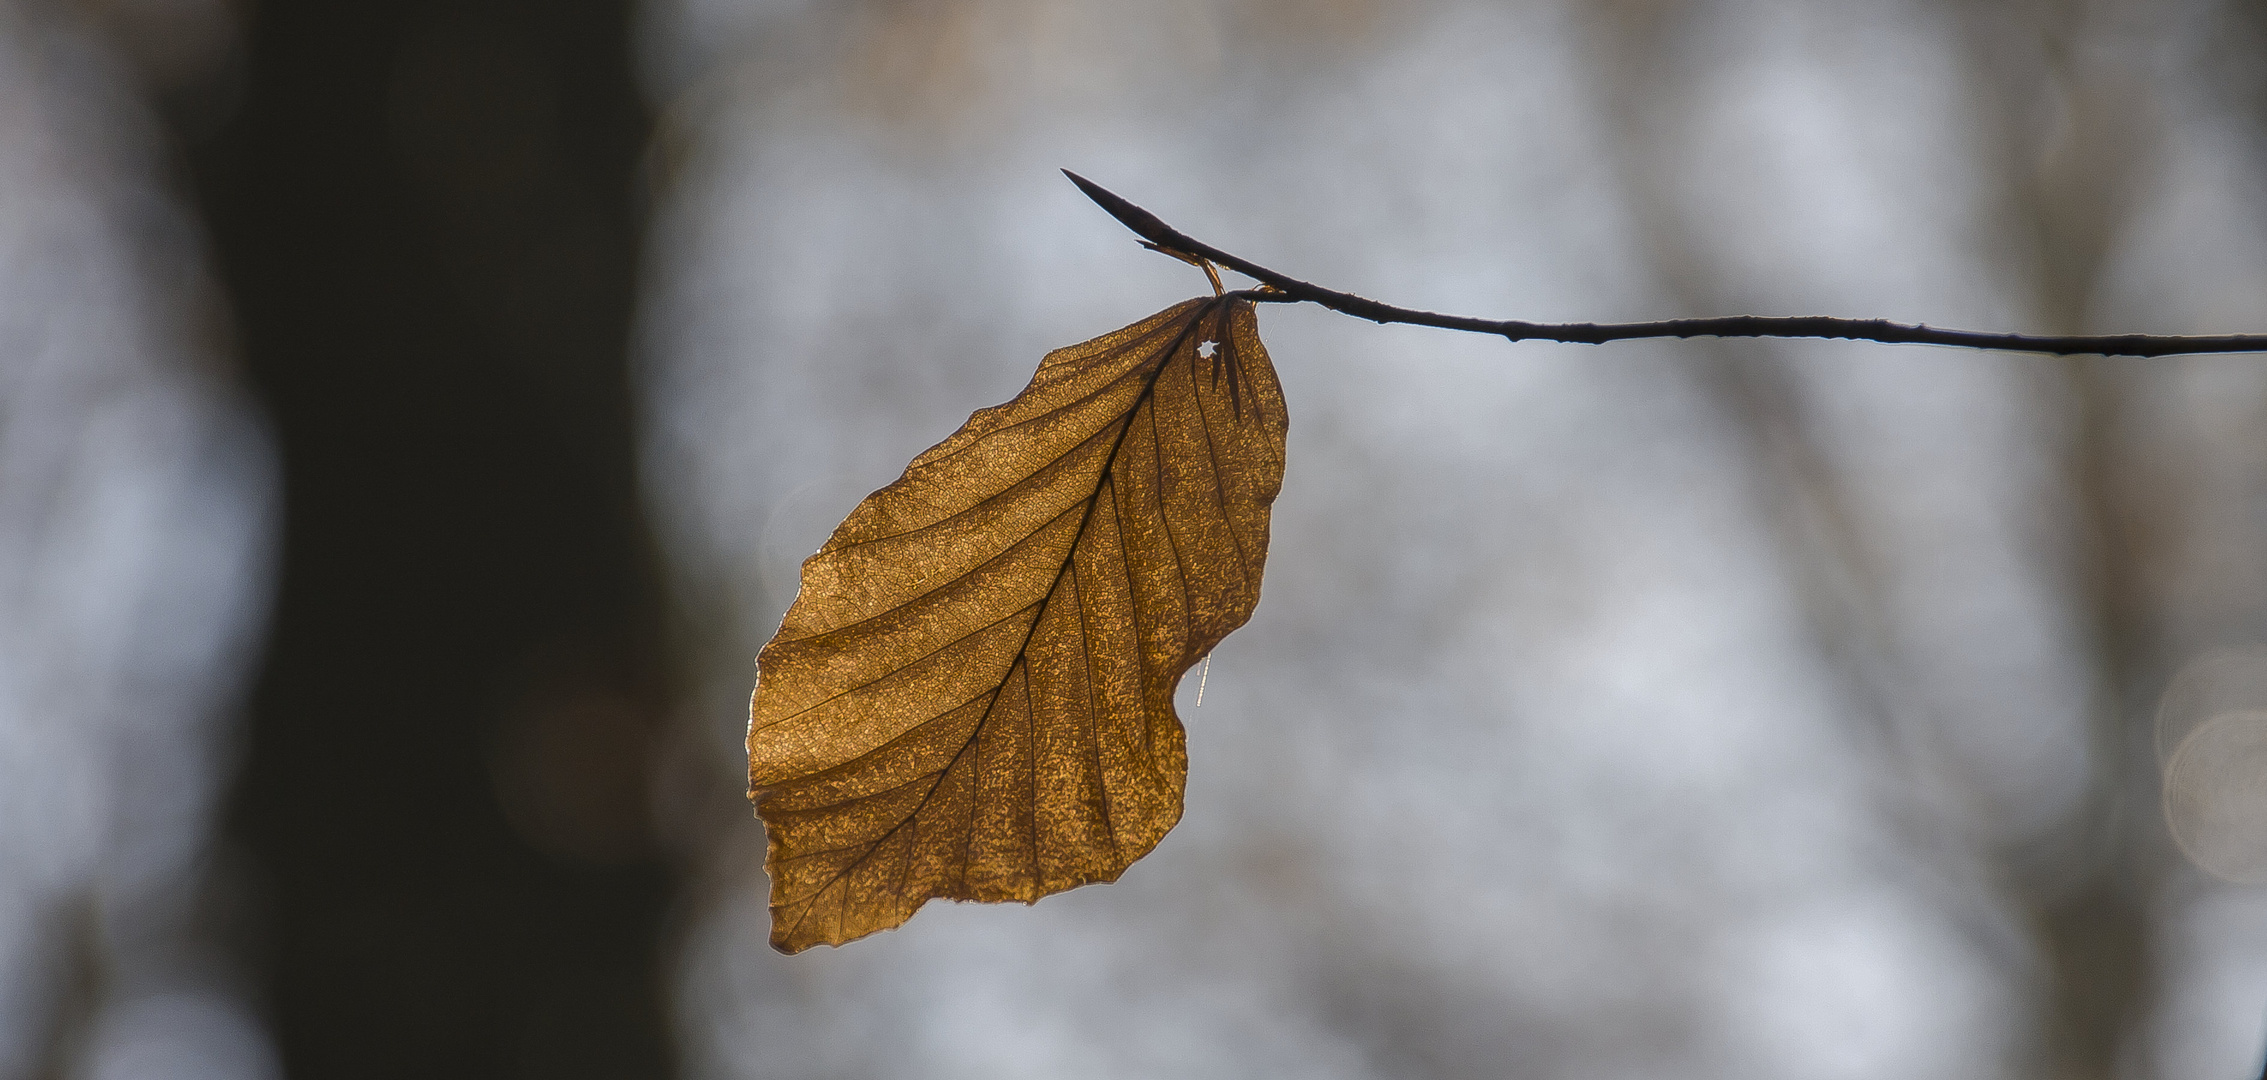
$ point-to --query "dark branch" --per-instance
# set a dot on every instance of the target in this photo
(1173, 241)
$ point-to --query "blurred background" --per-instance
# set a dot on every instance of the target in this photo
(413, 414)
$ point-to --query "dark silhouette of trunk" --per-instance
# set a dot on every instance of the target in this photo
(423, 213)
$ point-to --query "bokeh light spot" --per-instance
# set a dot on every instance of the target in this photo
(2221, 681)
(2216, 796)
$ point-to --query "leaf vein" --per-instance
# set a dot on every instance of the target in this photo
(908, 665)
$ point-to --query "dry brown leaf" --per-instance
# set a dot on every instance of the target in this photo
(972, 696)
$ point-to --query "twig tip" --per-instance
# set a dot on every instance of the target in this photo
(1143, 223)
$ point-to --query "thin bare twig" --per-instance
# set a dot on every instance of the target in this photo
(1292, 290)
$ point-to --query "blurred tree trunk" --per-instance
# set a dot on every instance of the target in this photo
(2082, 895)
(423, 212)
(2074, 132)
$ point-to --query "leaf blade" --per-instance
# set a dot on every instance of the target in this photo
(971, 696)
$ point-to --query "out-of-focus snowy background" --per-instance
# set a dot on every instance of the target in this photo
(1712, 709)
(137, 522)
(1733, 709)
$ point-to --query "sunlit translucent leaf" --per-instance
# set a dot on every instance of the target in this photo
(972, 696)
